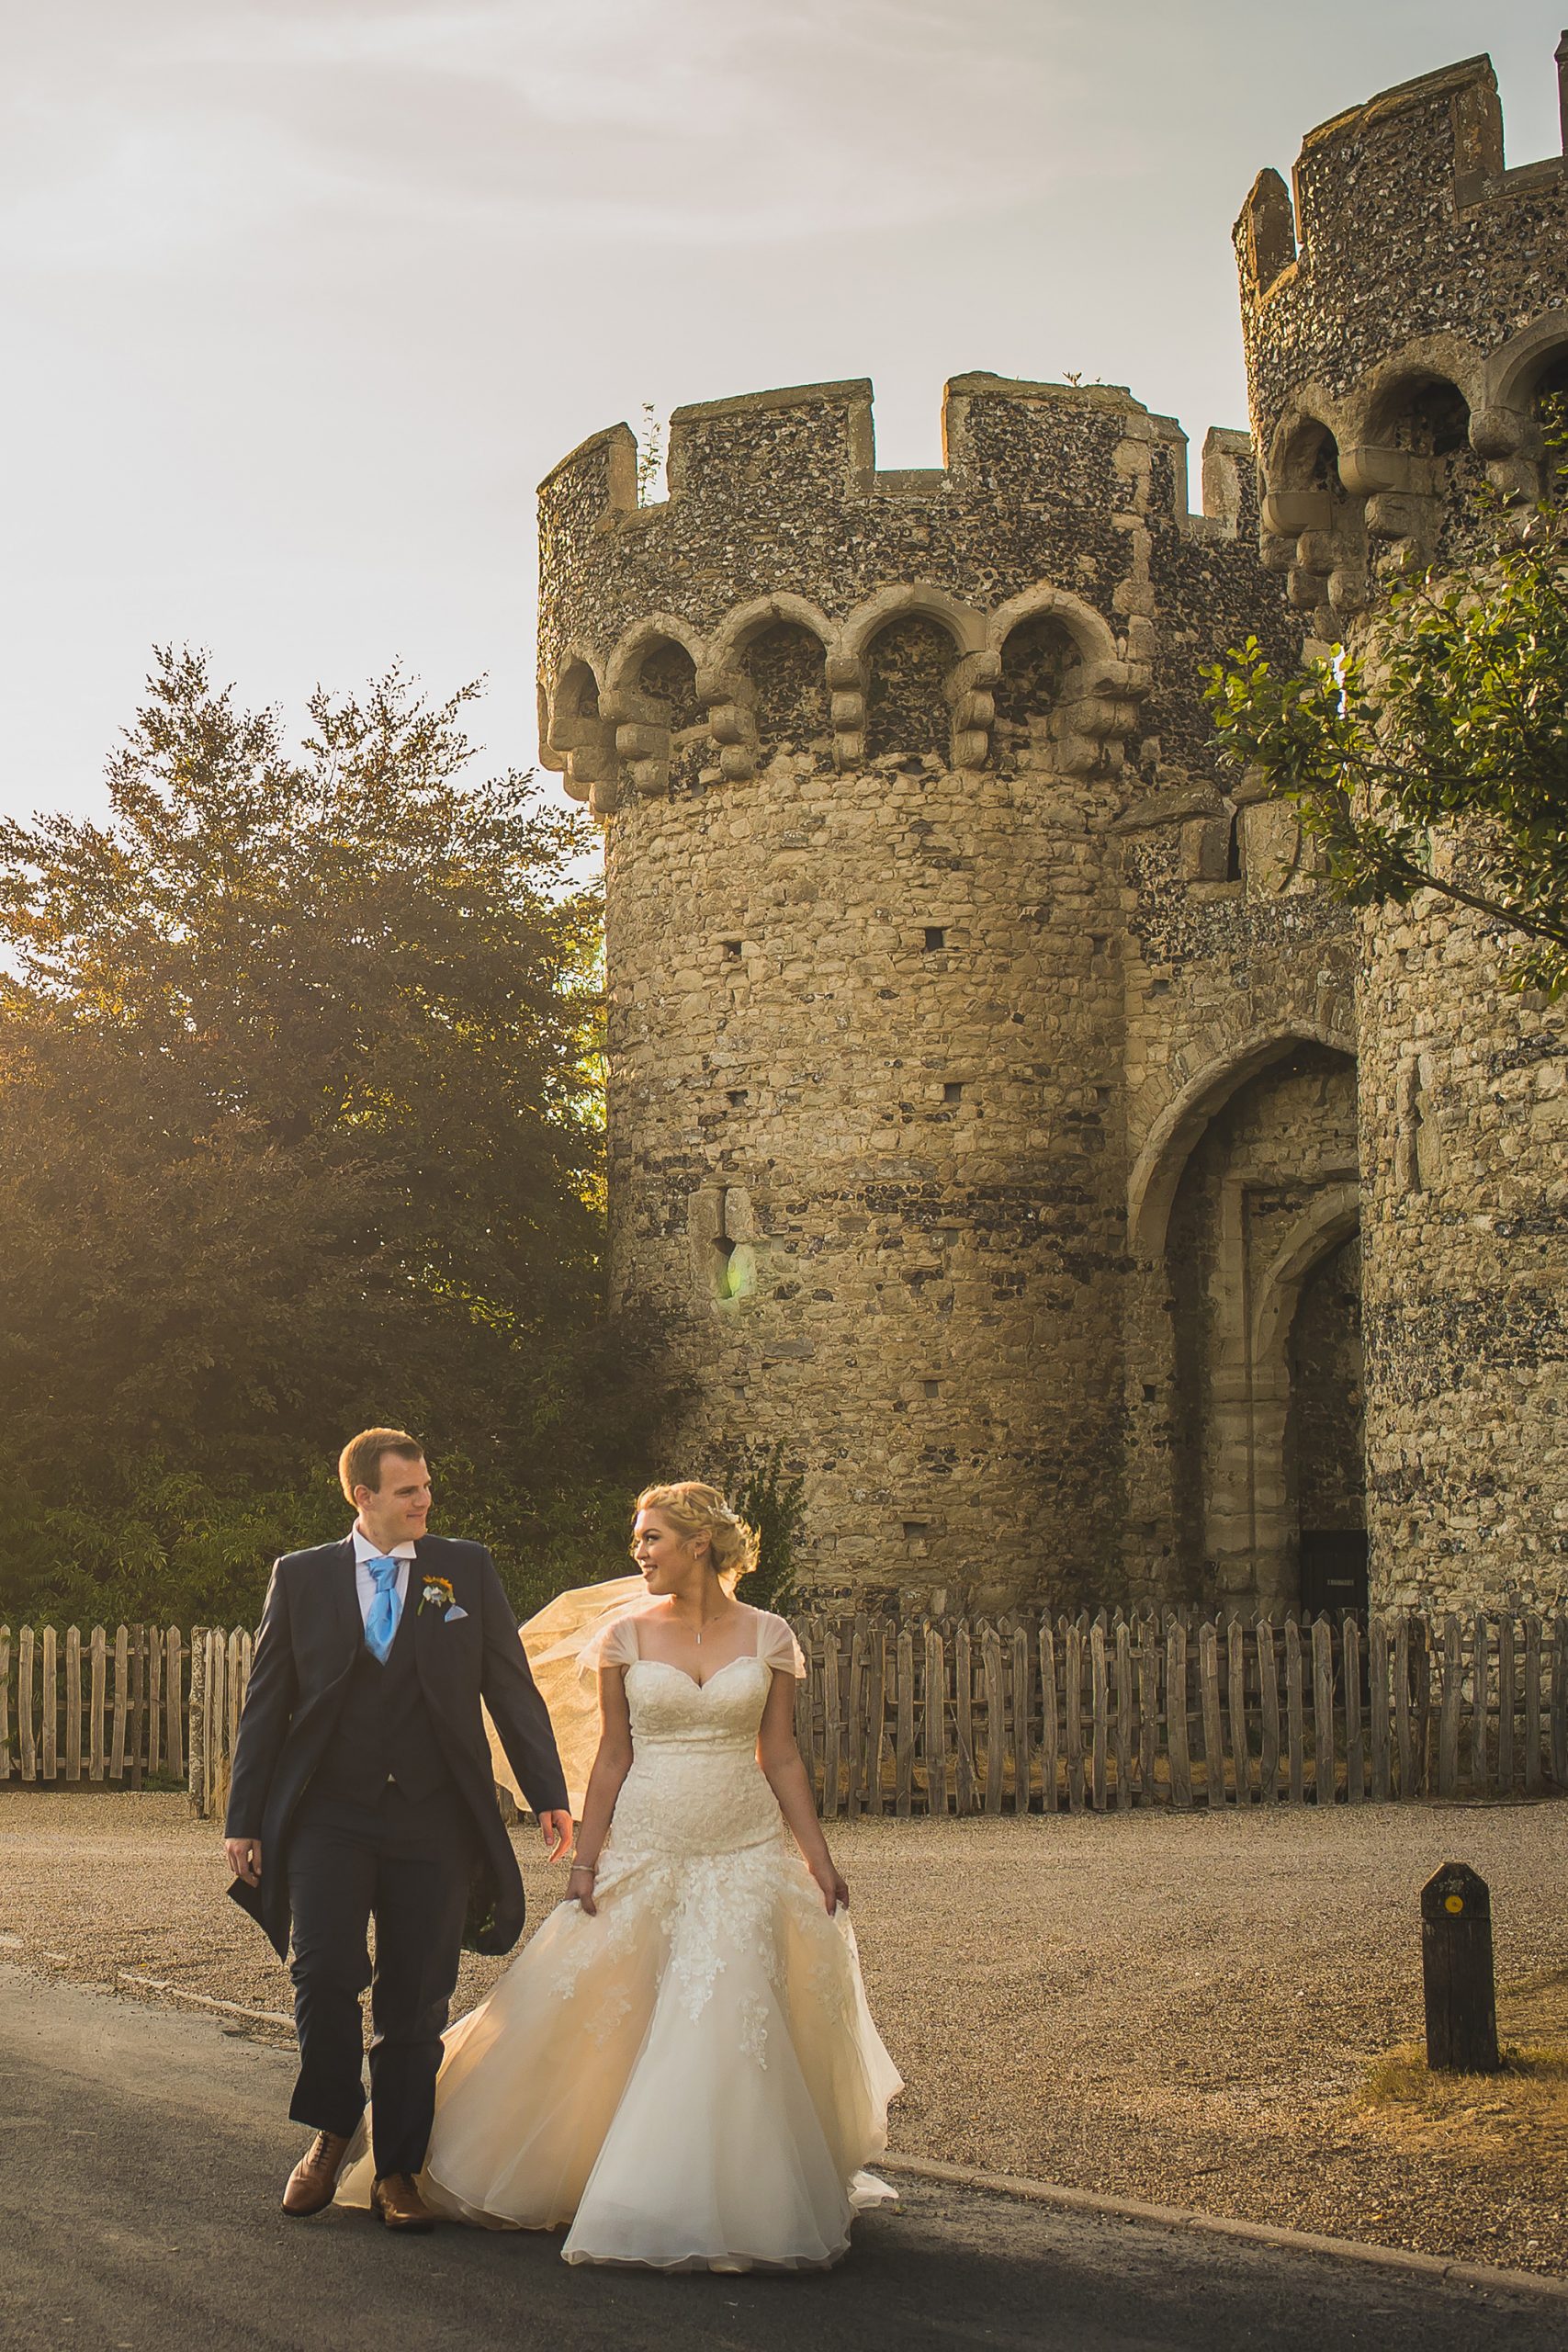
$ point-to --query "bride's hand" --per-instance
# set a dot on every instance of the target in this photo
(834, 1891)
(579, 1888)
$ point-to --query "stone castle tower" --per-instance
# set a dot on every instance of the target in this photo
(984, 1115)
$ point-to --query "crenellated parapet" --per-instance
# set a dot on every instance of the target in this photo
(1404, 318)
(788, 590)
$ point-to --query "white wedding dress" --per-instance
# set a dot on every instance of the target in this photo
(691, 2078)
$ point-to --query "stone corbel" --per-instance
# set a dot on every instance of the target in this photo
(846, 677)
(586, 749)
(731, 699)
(642, 740)
(974, 706)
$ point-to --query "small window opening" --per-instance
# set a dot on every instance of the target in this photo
(1233, 851)
(952, 1091)
(916, 1530)
(931, 1387)
(738, 1094)
(936, 937)
(731, 950)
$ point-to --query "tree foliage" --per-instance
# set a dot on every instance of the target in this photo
(298, 1108)
(1434, 754)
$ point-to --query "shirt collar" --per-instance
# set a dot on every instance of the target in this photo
(364, 1550)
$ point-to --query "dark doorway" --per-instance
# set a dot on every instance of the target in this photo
(1334, 1570)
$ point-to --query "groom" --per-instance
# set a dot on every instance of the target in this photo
(362, 1788)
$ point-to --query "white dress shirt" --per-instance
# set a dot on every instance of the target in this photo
(363, 1552)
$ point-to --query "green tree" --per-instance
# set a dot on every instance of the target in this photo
(299, 1058)
(1433, 755)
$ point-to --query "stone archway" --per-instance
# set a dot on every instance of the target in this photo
(1266, 1196)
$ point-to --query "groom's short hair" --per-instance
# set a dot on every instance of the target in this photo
(359, 1463)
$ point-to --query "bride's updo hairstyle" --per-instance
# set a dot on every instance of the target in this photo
(694, 1508)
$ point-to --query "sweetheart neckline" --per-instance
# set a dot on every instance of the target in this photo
(745, 1657)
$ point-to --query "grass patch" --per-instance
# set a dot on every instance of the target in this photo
(1514, 2120)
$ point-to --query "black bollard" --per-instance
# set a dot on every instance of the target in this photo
(1456, 1969)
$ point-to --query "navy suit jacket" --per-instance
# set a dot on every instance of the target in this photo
(311, 1634)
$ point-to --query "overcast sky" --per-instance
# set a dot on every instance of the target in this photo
(305, 295)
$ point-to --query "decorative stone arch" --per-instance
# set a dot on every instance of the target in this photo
(574, 728)
(726, 684)
(645, 741)
(1505, 428)
(1311, 524)
(637, 641)
(1428, 359)
(848, 670)
(737, 627)
(1098, 707)
(1157, 1171)
(964, 623)
(1512, 373)
(1093, 633)
(1322, 1229)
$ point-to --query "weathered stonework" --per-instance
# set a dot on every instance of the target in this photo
(983, 1079)
(1399, 356)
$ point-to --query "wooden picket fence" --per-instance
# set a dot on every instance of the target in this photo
(1027, 1714)
(956, 1715)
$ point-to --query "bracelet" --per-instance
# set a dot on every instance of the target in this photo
(591, 1869)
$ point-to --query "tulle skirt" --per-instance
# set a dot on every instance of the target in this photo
(691, 2079)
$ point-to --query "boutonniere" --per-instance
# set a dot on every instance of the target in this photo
(439, 1593)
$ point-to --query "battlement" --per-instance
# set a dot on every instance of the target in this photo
(785, 579)
(1402, 321)
(1061, 443)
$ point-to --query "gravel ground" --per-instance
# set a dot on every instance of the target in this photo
(1183, 2008)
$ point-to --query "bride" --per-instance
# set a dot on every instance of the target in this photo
(681, 2064)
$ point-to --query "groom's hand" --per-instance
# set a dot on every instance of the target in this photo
(556, 1830)
(244, 1858)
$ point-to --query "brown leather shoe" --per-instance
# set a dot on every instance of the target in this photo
(313, 2184)
(399, 2204)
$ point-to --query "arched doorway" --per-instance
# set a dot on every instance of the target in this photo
(1262, 1278)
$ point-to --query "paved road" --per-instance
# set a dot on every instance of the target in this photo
(141, 2156)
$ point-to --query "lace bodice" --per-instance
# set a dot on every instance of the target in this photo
(696, 1785)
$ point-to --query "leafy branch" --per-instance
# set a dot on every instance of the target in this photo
(1433, 754)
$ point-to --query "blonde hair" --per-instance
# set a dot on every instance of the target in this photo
(694, 1508)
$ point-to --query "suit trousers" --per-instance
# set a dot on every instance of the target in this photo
(406, 1865)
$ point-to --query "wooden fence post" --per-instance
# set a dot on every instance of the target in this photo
(25, 1704)
(1508, 1677)
(964, 1716)
(1148, 1709)
(1176, 1715)
(1050, 1724)
(1295, 1711)
(1236, 1709)
(935, 1663)
(1322, 1772)
(1355, 1759)
(138, 1702)
(121, 1702)
(1072, 1694)
(49, 1710)
(99, 1648)
(1123, 1716)
(4, 1702)
(1022, 1717)
(1480, 1704)
(1451, 1695)
(73, 1704)
(1532, 1706)
(196, 1745)
(172, 1678)
(1269, 1713)
(1099, 1701)
(1377, 1671)
(1208, 1717)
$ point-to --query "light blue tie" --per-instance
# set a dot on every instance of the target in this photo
(382, 1618)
